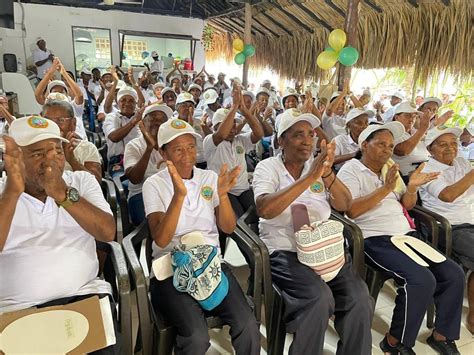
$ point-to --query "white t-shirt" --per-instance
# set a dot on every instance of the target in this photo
(38, 56)
(232, 154)
(344, 145)
(270, 176)
(197, 213)
(112, 122)
(409, 162)
(94, 88)
(156, 66)
(387, 217)
(333, 125)
(84, 152)
(466, 152)
(134, 150)
(47, 254)
(387, 116)
(460, 210)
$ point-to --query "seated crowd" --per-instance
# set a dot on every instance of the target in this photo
(194, 154)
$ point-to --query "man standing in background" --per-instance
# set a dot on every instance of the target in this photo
(42, 57)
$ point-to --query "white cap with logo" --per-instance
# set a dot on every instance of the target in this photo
(438, 131)
(127, 91)
(395, 127)
(185, 97)
(172, 129)
(356, 112)
(159, 107)
(55, 83)
(262, 90)
(194, 86)
(292, 116)
(219, 116)
(290, 92)
(432, 99)
(406, 107)
(398, 94)
(210, 96)
(30, 130)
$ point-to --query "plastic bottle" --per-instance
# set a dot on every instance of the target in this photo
(19, 68)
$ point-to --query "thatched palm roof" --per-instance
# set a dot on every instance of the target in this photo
(429, 35)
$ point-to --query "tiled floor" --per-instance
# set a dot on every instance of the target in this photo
(220, 340)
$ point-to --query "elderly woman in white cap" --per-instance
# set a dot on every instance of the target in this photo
(6, 118)
(169, 97)
(410, 149)
(120, 128)
(196, 90)
(281, 185)
(430, 106)
(179, 200)
(142, 158)
(346, 144)
(380, 202)
(395, 99)
(452, 196)
(118, 85)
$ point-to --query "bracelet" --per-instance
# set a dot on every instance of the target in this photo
(332, 183)
(328, 175)
(412, 193)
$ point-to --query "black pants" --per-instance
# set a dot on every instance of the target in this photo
(185, 313)
(419, 285)
(310, 302)
(242, 203)
(463, 245)
(110, 350)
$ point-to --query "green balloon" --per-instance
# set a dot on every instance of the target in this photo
(329, 49)
(249, 50)
(240, 58)
(348, 56)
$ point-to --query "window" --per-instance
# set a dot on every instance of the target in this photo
(91, 48)
(133, 49)
(102, 48)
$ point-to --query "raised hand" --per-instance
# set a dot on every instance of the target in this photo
(317, 167)
(441, 120)
(113, 71)
(130, 76)
(418, 178)
(151, 142)
(69, 147)
(178, 184)
(138, 116)
(14, 166)
(237, 97)
(391, 177)
(227, 180)
(330, 151)
(51, 176)
(425, 120)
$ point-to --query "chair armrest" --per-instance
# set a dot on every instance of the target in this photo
(109, 189)
(356, 240)
(444, 226)
(119, 186)
(424, 219)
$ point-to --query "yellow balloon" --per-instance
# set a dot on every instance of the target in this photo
(326, 60)
(337, 39)
(238, 45)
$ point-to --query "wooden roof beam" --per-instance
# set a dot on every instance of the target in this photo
(313, 16)
(294, 18)
(229, 27)
(373, 5)
(335, 8)
(278, 24)
(242, 24)
(265, 27)
(413, 3)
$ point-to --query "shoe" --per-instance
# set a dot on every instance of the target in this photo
(447, 347)
(398, 349)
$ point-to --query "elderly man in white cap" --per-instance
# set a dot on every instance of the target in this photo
(380, 202)
(156, 67)
(410, 149)
(42, 57)
(395, 99)
(120, 128)
(69, 88)
(49, 224)
(226, 147)
(142, 159)
(6, 118)
(452, 196)
(211, 99)
(430, 106)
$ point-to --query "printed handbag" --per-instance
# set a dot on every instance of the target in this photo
(321, 247)
(197, 271)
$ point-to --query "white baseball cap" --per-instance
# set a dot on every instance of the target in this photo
(262, 90)
(86, 70)
(54, 83)
(159, 107)
(396, 128)
(154, 54)
(356, 112)
(159, 84)
(127, 91)
(185, 97)
(211, 76)
(289, 92)
(398, 94)
(249, 93)
(432, 99)
(167, 89)
(121, 85)
(219, 116)
(29, 130)
(210, 96)
(172, 129)
(39, 39)
(293, 116)
(334, 95)
(194, 86)
(434, 133)
(266, 81)
(406, 107)
(174, 78)
(57, 96)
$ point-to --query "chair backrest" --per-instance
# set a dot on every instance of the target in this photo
(126, 224)
(108, 189)
(105, 161)
(19, 83)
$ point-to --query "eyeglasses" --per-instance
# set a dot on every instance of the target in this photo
(60, 120)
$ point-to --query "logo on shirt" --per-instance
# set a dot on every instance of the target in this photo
(207, 192)
(178, 124)
(316, 188)
(37, 122)
(240, 150)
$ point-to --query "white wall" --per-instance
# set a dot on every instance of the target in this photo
(54, 23)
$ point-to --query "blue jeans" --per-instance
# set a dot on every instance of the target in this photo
(136, 209)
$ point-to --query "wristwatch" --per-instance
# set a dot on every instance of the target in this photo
(72, 196)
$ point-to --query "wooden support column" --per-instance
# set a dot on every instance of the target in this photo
(351, 28)
(247, 40)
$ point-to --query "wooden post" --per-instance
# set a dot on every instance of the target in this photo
(351, 28)
(247, 40)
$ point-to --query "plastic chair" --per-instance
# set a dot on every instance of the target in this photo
(122, 195)
(105, 160)
(156, 336)
(93, 138)
(273, 300)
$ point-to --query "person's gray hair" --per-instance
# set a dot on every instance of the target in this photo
(59, 103)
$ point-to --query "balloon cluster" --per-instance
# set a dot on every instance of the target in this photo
(243, 51)
(337, 52)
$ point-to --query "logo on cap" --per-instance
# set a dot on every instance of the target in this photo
(296, 113)
(178, 124)
(187, 96)
(442, 127)
(207, 192)
(37, 122)
(207, 95)
(317, 187)
(291, 90)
